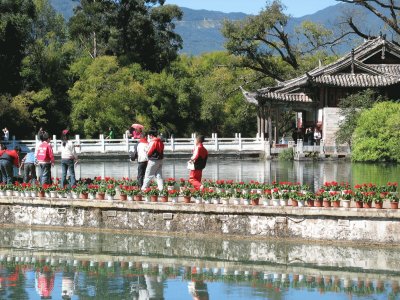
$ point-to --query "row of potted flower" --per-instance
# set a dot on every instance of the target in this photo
(225, 192)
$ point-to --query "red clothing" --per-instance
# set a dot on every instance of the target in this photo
(45, 153)
(156, 149)
(195, 178)
(45, 284)
(199, 157)
(13, 155)
(136, 134)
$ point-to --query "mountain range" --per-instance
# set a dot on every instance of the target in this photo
(200, 29)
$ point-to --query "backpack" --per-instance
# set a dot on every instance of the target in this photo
(133, 154)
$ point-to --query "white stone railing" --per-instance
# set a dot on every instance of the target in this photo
(172, 144)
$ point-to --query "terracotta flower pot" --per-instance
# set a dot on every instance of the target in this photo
(394, 205)
(123, 197)
(295, 203)
(368, 204)
(41, 194)
(359, 204)
(379, 205)
(164, 199)
(154, 198)
(137, 197)
(186, 199)
(84, 196)
(101, 196)
(326, 203)
(310, 203)
(336, 203)
(254, 202)
(318, 203)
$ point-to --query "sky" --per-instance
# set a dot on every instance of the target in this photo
(296, 8)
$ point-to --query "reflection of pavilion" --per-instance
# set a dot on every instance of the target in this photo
(147, 287)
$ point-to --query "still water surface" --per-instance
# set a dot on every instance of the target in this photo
(38, 264)
(312, 173)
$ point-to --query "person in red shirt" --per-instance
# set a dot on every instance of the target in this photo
(9, 158)
(155, 154)
(45, 158)
(199, 160)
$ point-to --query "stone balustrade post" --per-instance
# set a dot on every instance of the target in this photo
(78, 143)
(240, 141)
(216, 142)
(172, 143)
(321, 148)
(267, 149)
(102, 143)
(55, 149)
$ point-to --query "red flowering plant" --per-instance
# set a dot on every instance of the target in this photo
(92, 189)
(183, 182)
(152, 191)
(275, 193)
(220, 184)
(173, 193)
(268, 193)
(123, 189)
(2, 186)
(333, 196)
(207, 194)
(285, 185)
(49, 187)
(344, 186)
(229, 184)
(392, 197)
(321, 195)
(237, 193)
(254, 185)
(347, 194)
(132, 190)
(111, 190)
(170, 181)
(331, 186)
(187, 192)
(389, 187)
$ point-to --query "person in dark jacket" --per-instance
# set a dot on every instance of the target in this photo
(155, 154)
(7, 160)
(199, 160)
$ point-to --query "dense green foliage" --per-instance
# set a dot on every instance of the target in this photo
(377, 136)
(286, 155)
(351, 108)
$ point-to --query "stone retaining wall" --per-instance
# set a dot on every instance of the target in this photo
(332, 224)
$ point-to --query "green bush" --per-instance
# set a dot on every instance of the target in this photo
(286, 154)
(377, 135)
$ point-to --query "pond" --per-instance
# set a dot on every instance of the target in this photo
(312, 173)
(40, 264)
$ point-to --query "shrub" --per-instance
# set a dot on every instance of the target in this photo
(377, 136)
(286, 154)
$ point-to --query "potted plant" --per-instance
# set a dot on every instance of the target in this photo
(101, 192)
(334, 198)
(275, 196)
(92, 191)
(359, 198)
(186, 193)
(294, 197)
(173, 194)
(346, 197)
(2, 189)
(267, 197)
(153, 193)
(320, 195)
(164, 195)
(110, 192)
(255, 198)
(75, 190)
(216, 196)
(136, 193)
(246, 198)
(170, 182)
(285, 195)
(83, 191)
(378, 200)
(368, 198)
(309, 198)
(225, 197)
(197, 196)
(394, 201)
(123, 193)
(237, 194)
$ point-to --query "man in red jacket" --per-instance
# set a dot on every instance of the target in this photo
(9, 158)
(199, 160)
(155, 154)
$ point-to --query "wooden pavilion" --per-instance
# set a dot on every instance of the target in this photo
(315, 95)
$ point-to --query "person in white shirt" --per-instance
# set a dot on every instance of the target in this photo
(6, 134)
(142, 158)
(68, 158)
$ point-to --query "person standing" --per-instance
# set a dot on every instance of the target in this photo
(29, 166)
(155, 153)
(6, 134)
(7, 159)
(68, 158)
(199, 160)
(317, 136)
(142, 158)
(111, 134)
(45, 158)
(2, 149)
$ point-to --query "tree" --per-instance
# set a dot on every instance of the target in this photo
(351, 109)
(15, 28)
(262, 41)
(106, 95)
(385, 10)
(145, 33)
(136, 31)
(377, 136)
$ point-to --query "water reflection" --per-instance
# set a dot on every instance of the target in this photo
(312, 173)
(121, 266)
